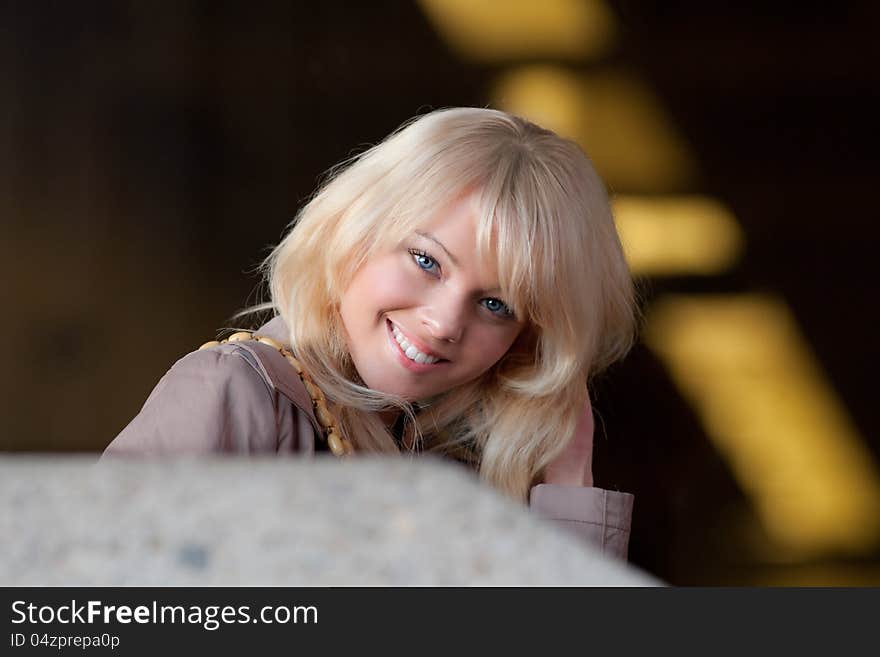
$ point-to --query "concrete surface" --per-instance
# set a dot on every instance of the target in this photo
(70, 521)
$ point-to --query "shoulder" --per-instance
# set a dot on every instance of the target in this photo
(219, 368)
(213, 399)
(268, 365)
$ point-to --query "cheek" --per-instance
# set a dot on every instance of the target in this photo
(489, 344)
(392, 288)
(378, 287)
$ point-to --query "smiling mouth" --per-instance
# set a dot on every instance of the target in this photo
(411, 351)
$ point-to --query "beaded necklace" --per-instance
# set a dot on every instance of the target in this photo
(338, 444)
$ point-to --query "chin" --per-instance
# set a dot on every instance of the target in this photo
(406, 394)
(384, 386)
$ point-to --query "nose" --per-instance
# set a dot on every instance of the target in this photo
(445, 319)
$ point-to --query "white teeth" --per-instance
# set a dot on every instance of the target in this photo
(411, 352)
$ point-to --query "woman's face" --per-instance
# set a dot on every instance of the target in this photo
(427, 315)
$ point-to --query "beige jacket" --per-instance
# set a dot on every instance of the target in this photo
(245, 398)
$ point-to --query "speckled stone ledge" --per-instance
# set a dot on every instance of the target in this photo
(71, 521)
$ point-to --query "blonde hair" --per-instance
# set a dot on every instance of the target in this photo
(543, 215)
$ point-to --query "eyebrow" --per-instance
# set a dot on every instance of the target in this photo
(440, 244)
(451, 257)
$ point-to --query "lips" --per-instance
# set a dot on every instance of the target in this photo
(406, 345)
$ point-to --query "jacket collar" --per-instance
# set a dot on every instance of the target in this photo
(276, 329)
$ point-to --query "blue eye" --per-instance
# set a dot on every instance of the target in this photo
(498, 307)
(428, 264)
(423, 260)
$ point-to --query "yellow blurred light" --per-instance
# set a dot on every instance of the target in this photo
(613, 117)
(676, 235)
(489, 30)
(743, 365)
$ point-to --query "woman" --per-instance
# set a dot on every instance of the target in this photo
(449, 290)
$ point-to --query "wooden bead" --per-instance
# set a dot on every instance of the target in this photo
(207, 345)
(334, 441)
(323, 414)
(270, 342)
(296, 364)
(241, 336)
(314, 391)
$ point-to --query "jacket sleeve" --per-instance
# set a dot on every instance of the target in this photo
(213, 400)
(598, 516)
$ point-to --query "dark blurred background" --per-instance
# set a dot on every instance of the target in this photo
(150, 153)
